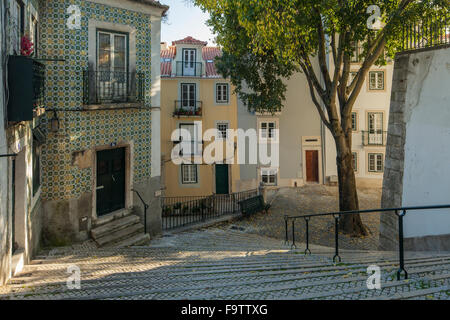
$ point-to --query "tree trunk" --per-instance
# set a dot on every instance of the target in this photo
(348, 197)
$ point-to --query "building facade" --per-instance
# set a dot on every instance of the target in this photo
(307, 148)
(194, 97)
(21, 137)
(102, 101)
(80, 134)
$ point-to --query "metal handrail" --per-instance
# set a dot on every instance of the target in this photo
(146, 206)
(400, 212)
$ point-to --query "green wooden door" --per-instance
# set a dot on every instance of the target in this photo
(222, 179)
(110, 180)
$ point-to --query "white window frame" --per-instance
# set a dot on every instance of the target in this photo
(269, 173)
(354, 120)
(191, 174)
(112, 34)
(194, 143)
(17, 23)
(191, 102)
(265, 132)
(355, 161)
(221, 96)
(378, 74)
(375, 162)
(220, 131)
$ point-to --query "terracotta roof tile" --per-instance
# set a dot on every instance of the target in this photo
(208, 55)
(190, 40)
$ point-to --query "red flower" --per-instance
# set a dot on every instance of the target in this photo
(26, 46)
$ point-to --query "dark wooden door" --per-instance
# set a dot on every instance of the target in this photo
(312, 166)
(110, 180)
(222, 179)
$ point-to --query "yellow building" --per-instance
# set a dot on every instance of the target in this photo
(196, 98)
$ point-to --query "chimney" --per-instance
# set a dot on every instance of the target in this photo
(164, 46)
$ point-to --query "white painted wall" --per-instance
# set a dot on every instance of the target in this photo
(426, 179)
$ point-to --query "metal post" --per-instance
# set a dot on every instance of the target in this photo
(145, 217)
(307, 251)
(400, 246)
(336, 238)
(286, 240)
(293, 234)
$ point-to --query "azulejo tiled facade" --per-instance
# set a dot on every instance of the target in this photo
(69, 186)
(82, 130)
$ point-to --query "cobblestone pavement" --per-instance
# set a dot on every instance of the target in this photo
(315, 199)
(225, 264)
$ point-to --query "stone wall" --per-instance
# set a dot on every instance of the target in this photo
(417, 156)
(393, 170)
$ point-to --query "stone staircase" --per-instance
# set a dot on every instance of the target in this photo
(121, 229)
(226, 265)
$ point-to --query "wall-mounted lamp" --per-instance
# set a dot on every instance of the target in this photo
(54, 123)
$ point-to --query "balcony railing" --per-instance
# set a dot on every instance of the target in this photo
(189, 69)
(105, 87)
(188, 108)
(374, 138)
(428, 32)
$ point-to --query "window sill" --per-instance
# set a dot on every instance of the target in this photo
(113, 106)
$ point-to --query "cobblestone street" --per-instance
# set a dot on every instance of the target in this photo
(312, 199)
(225, 264)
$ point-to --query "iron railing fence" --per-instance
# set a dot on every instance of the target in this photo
(103, 87)
(188, 108)
(374, 138)
(399, 212)
(183, 211)
(38, 84)
(430, 31)
(189, 69)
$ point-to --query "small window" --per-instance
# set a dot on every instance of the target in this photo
(223, 130)
(34, 35)
(355, 161)
(36, 163)
(189, 173)
(222, 93)
(376, 80)
(357, 52)
(376, 162)
(17, 25)
(190, 144)
(267, 130)
(188, 95)
(269, 176)
(354, 121)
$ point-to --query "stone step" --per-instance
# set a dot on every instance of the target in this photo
(135, 240)
(113, 226)
(111, 217)
(215, 290)
(121, 234)
(260, 279)
(174, 270)
(149, 281)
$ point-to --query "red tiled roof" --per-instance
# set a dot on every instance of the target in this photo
(190, 40)
(208, 55)
(166, 65)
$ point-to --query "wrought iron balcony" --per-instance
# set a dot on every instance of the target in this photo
(188, 108)
(110, 87)
(374, 138)
(189, 69)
